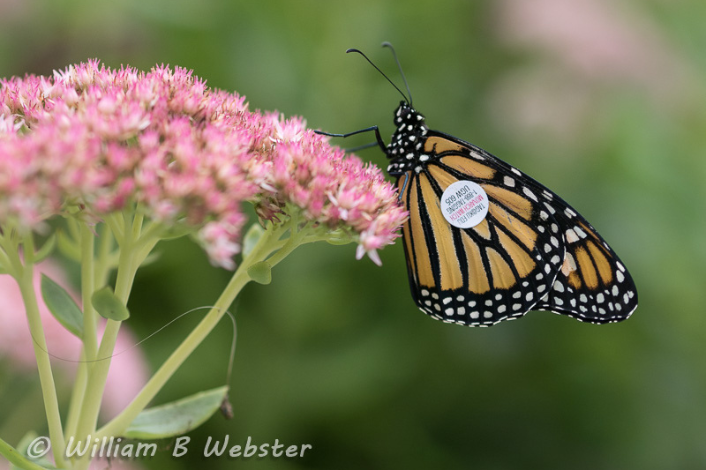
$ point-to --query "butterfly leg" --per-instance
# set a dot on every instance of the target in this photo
(404, 186)
(380, 143)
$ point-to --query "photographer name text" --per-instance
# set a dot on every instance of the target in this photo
(117, 447)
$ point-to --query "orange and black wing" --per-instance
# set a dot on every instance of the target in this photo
(516, 259)
(479, 276)
(593, 285)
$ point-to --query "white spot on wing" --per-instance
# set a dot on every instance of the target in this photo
(571, 236)
(529, 194)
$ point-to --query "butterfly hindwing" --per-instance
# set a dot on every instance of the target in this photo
(593, 284)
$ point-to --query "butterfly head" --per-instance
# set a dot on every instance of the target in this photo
(406, 114)
(407, 141)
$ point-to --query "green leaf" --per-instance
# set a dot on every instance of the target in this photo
(261, 272)
(178, 417)
(46, 249)
(252, 237)
(62, 306)
(108, 305)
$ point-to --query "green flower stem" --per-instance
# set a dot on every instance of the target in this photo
(116, 226)
(10, 246)
(73, 225)
(101, 270)
(137, 225)
(87, 288)
(77, 394)
(130, 260)
(153, 230)
(98, 373)
(307, 234)
(269, 241)
(46, 378)
(17, 459)
(103, 262)
(90, 342)
(5, 263)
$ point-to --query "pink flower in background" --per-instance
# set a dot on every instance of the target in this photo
(585, 43)
(128, 369)
(16, 345)
(596, 38)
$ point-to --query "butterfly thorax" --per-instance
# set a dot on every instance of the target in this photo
(406, 148)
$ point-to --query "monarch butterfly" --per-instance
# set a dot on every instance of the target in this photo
(484, 242)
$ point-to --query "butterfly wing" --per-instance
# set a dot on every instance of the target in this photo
(517, 259)
(593, 284)
(482, 275)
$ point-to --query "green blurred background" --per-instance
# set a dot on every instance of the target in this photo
(601, 101)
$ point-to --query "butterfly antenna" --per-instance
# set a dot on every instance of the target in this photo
(399, 66)
(381, 73)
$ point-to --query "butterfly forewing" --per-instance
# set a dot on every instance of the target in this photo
(478, 276)
(593, 284)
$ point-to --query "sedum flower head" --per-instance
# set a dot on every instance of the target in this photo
(102, 140)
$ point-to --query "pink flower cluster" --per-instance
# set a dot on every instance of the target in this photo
(305, 171)
(100, 139)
